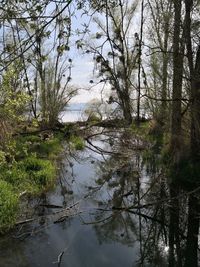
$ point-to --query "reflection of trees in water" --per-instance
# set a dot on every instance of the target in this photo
(120, 228)
(163, 218)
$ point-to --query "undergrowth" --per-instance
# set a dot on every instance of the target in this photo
(32, 170)
(77, 142)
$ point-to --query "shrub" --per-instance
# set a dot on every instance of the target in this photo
(32, 138)
(14, 175)
(77, 142)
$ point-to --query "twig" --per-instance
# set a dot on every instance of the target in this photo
(60, 258)
(25, 221)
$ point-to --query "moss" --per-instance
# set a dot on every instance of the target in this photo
(8, 207)
(77, 142)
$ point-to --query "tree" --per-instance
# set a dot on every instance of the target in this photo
(116, 52)
(160, 37)
(193, 56)
(27, 28)
(13, 106)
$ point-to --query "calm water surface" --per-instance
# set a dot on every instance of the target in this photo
(83, 243)
(109, 209)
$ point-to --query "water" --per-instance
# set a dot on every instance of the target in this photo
(93, 234)
(74, 112)
(118, 210)
(83, 243)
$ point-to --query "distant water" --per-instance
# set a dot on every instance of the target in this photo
(74, 112)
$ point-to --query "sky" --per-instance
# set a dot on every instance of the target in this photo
(83, 65)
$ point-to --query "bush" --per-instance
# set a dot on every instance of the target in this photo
(77, 142)
(14, 175)
(8, 207)
(94, 118)
(32, 138)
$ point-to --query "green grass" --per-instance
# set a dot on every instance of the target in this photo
(77, 142)
(48, 148)
(33, 175)
(8, 206)
(41, 172)
(33, 171)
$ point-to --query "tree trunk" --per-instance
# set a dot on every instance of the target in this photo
(193, 231)
(178, 50)
(163, 113)
(195, 85)
(127, 108)
(195, 111)
(165, 62)
(176, 132)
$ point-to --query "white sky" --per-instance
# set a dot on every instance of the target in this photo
(83, 65)
(82, 71)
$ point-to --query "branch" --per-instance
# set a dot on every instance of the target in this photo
(31, 37)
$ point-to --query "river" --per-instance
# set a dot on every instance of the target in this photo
(111, 206)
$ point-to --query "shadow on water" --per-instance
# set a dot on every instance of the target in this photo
(112, 206)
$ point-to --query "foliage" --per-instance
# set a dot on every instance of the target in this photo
(13, 98)
(143, 128)
(13, 103)
(48, 148)
(32, 169)
(8, 206)
(118, 60)
(77, 142)
(58, 93)
(94, 111)
(41, 172)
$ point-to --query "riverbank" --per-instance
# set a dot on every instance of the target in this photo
(32, 168)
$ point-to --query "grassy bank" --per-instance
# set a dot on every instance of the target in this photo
(29, 167)
(30, 170)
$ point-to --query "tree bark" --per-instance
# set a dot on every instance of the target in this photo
(195, 111)
(194, 83)
(193, 231)
(178, 49)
